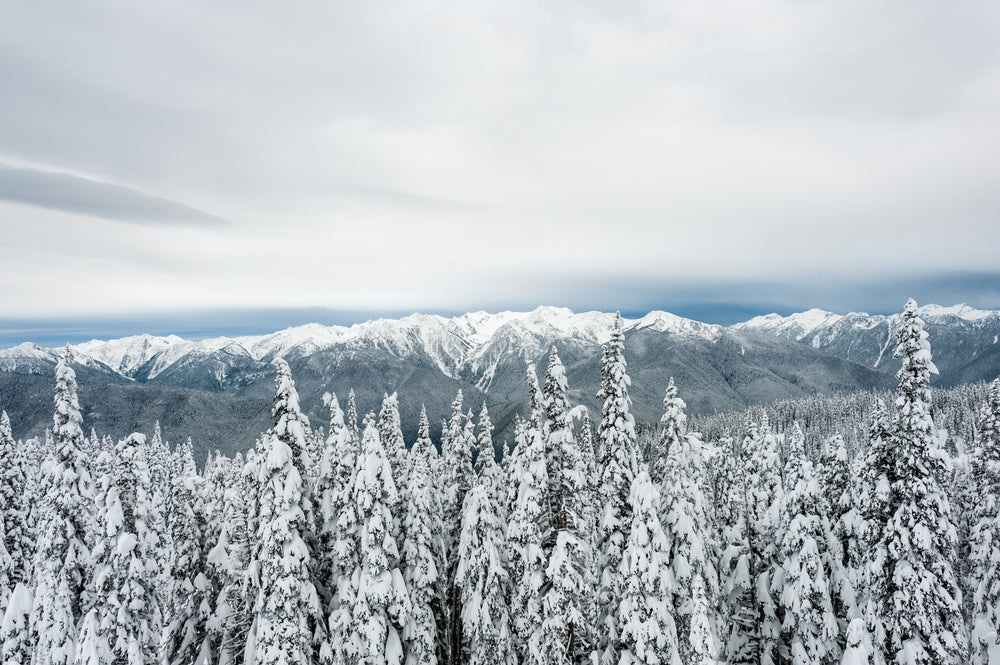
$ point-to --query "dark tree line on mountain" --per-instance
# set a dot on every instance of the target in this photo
(345, 546)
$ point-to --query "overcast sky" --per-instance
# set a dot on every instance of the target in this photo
(444, 156)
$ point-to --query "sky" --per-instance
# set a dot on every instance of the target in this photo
(236, 166)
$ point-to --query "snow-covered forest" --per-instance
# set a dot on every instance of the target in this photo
(848, 529)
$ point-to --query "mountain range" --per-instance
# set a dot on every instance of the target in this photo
(218, 390)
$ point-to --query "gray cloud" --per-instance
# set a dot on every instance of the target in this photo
(432, 155)
(83, 196)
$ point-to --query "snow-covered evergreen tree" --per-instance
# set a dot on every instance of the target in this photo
(567, 546)
(528, 523)
(16, 640)
(382, 606)
(687, 520)
(287, 604)
(673, 427)
(809, 627)
(838, 485)
(191, 599)
(126, 618)
(919, 599)
(645, 611)
(984, 550)
(482, 577)
(234, 559)
(62, 556)
(457, 447)
(619, 464)
(341, 517)
(16, 547)
(422, 554)
(391, 432)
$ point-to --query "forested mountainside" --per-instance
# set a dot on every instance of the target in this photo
(218, 391)
(818, 530)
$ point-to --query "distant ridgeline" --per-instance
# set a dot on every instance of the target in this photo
(218, 391)
(855, 528)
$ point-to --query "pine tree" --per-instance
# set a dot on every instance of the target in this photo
(62, 557)
(482, 576)
(340, 517)
(618, 460)
(126, 618)
(234, 559)
(920, 601)
(422, 552)
(687, 521)
(287, 603)
(16, 640)
(382, 606)
(673, 427)
(645, 611)
(456, 451)
(391, 432)
(566, 545)
(838, 484)
(809, 626)
(191, 595)
(529, 522)
(15, 548)
(984, 539)
(486, 453)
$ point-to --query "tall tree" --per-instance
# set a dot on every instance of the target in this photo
(919, 599)
(287, 602)
(687, 521)
(984, 552)
(567, 547)
(62, 557)
(382, 606)
(809, 626)
(482, 576)
(528, 523)
(422, 552)
(14, 513)
(126, 618)
(619, 464)
(645, 611)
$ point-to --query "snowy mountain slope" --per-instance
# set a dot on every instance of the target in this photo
(962, 338)
(427, 358)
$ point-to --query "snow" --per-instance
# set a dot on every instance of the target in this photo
(796, 326)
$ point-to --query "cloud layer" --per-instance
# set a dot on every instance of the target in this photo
(443, 155)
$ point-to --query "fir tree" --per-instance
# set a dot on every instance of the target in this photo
(566, 545)
(382, 606)
(984, 547)
(482, 576)
(838, 484)
(287, 604)
(422, 552)
(687, 521)
(191, 596)
(14, 514)
(456, 452)
(16, 640)
(62, 557)
(234, 558)
(127, 619)
(529, 522)
(645, 611)
(809, 626)
(673, 427)
(919, 601)
(618, 461)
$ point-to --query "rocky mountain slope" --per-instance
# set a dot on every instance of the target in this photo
(217, 390)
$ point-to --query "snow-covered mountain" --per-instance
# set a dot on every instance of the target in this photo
(965, 341)
(126, 383)
(469, 345)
